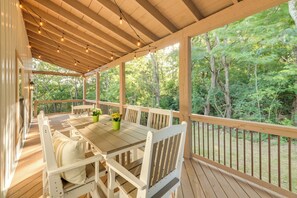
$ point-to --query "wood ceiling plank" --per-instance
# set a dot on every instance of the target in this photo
(38, 72)
(79, 51)
(102, 21)
(70, 29)
(157, 15)
(42, 42)
(113, 8)
(60, 56)
(74, 40)
(83, 24)
(193, 9)
(45, 58)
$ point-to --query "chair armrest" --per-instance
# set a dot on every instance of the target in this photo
(119, 169)
(84, 162)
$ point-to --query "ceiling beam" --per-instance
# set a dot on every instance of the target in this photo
(69, 29)
(235, 1)
(66, 53)
(157, 15)
(193, 9)
(70, 49)
(52, 73)
(100, 20)
(113, 8)
(30, 23)
(59, 56)
(83, 24)
(51, 60)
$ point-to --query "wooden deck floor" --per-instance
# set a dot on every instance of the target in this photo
(198, 179)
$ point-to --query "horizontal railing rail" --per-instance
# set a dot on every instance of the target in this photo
(265, 154)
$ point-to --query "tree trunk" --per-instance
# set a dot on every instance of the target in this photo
(293, 10)
(257, 92)
(228, 107)
(213, 72)
(156, 77)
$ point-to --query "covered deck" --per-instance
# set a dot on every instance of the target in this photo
(223, 157)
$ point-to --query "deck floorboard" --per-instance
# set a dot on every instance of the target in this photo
(198, 179)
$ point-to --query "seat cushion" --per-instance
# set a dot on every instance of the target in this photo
(68, 151)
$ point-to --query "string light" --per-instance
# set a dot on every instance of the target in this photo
(62, 38)
(58, 50)
(138, 43)
(40, 23)
(87, 48)
(121, 20)
(39, 30)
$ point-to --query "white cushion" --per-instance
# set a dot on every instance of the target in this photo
(68, 151)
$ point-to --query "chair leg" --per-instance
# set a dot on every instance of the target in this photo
(111, 183)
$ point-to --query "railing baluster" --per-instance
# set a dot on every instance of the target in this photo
(203, 139)
(289, 163)
(252, 153)
(279, 161)
(230, 133)
(237, 155)
(213, 142)
(207, 140)
(194, 134)
(219, 149)
(269, 159)
(224, 145)
(198, 126)
(244, 153)
(260, 156)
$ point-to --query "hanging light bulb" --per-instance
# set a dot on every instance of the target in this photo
(87, 48)
(58, 50)
(62, 38)
(21, 6)
(39, 56)
(121, 20)
(138, 43)
(75, 62)
(39, 30)
(111, 58)
(29, 46)
(135, 55)
(40, 23)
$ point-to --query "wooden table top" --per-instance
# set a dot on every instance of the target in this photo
(106, 140)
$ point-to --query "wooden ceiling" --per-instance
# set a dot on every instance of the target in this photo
(94, 26)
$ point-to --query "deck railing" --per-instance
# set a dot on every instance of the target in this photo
(266, 152)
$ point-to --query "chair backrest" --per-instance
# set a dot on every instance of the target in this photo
(163, 157)
(54, 182)
(159, 118)
(133, 114)
(80, 109)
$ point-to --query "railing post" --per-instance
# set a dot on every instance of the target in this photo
(84, 89)
(185, 90)
(35, 108)
(98, 89)
(122, 87)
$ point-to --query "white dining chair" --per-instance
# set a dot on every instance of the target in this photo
(133, 114)
(159, 118)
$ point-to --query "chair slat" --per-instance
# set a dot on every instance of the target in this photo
(153, 166)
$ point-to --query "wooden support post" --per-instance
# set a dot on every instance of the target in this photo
(98, 89)
(122, 87)
(35, 108)
(185, 90)
(84, 89)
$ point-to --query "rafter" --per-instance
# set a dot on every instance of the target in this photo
(43, 43)
(71, 49)
(51, 60)
(113, 8)
(60, 56)
(70, 29)
(157, 15)
(193, 9)
(100, 20)
(83, 24)
(38, 72)
(30, 23)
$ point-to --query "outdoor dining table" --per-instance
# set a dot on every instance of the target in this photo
(105, 140)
